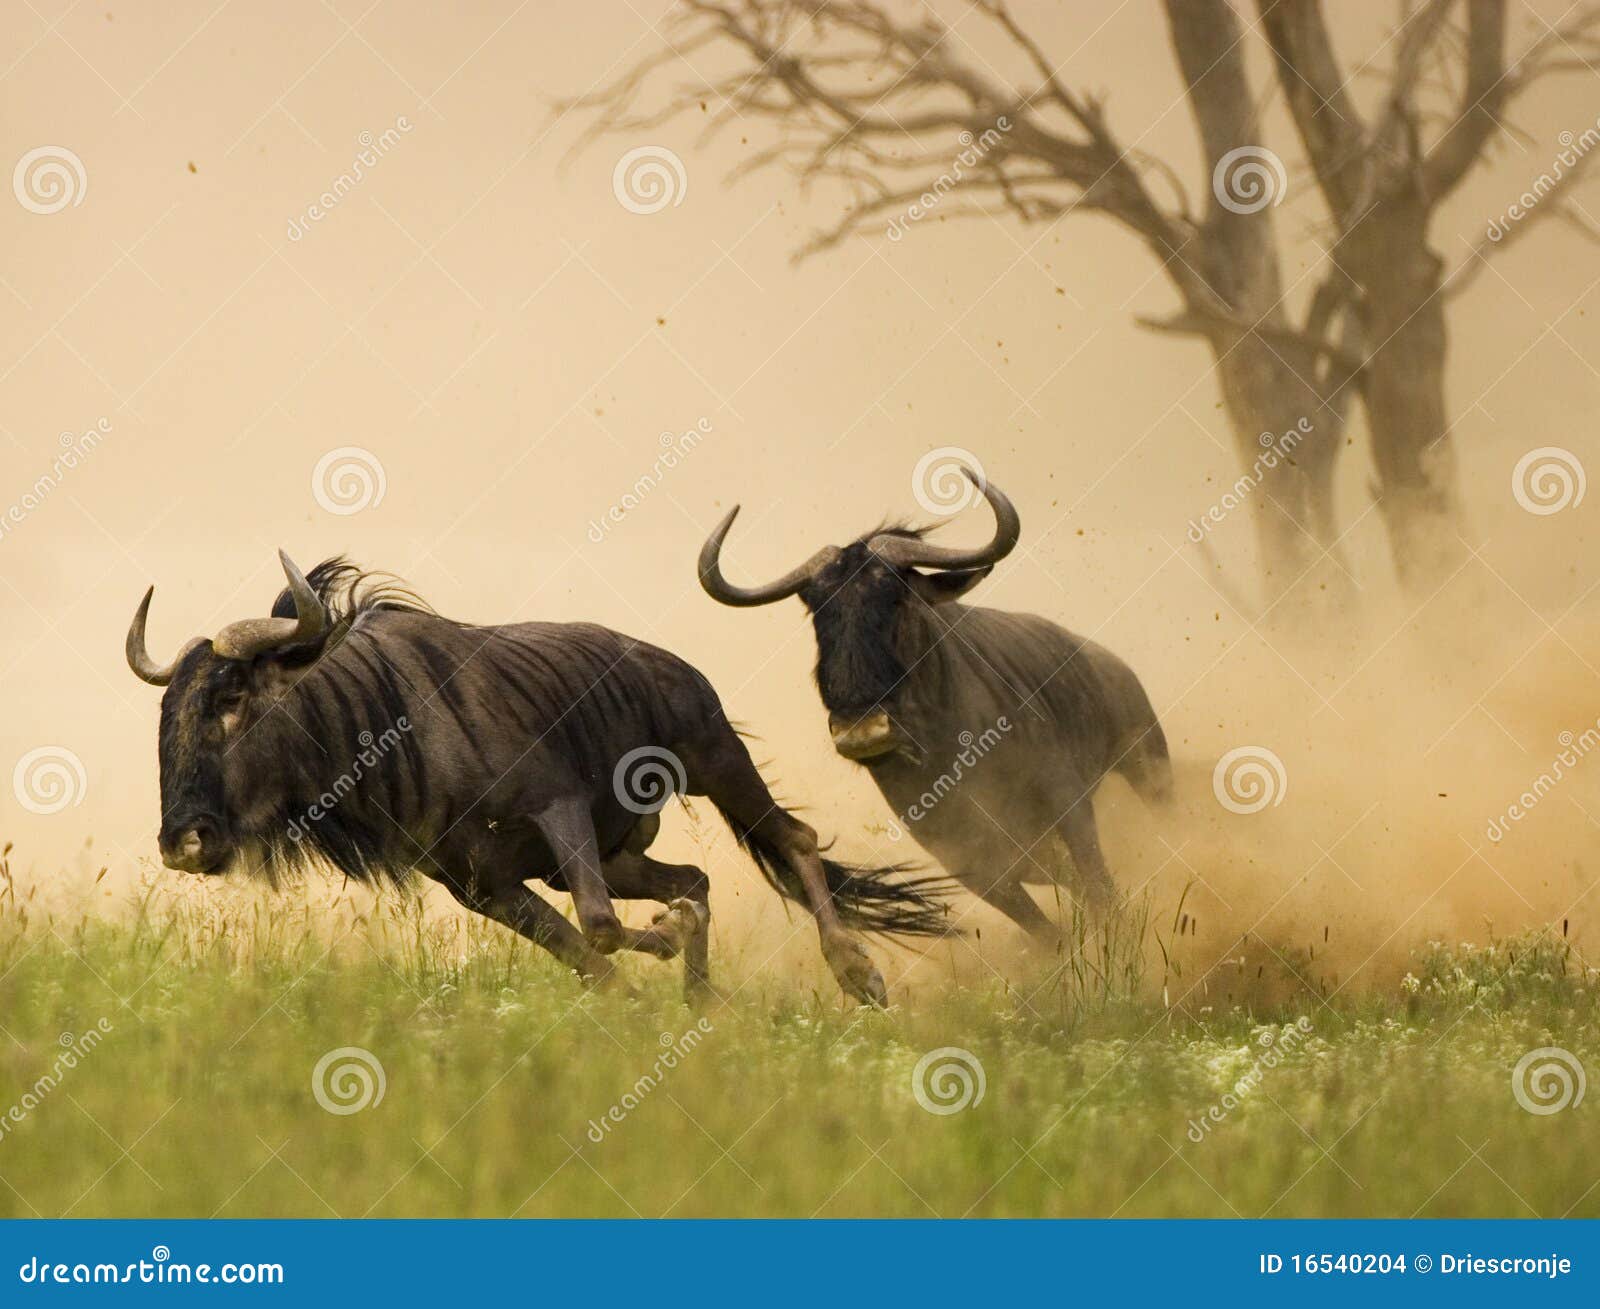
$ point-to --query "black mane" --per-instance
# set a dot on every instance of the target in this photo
(912, 531)
(348, 591)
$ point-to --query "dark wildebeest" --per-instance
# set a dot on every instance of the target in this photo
(356, 727)
(987, 732)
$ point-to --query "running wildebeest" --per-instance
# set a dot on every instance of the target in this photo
(356, 727)
(987, 732)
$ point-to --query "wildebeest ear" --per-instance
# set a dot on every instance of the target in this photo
(940, 588)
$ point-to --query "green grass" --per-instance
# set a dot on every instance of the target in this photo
(199, 1100)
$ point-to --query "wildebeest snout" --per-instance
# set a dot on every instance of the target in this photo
(865, 737)
(194, 846)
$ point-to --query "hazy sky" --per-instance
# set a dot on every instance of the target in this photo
(504, 344)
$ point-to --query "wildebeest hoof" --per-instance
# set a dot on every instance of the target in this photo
(681, 921)
(855, 972)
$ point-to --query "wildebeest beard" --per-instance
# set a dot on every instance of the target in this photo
(856, 605)
(190, 766)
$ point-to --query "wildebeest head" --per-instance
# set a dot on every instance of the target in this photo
(214, 691)
(860, 597)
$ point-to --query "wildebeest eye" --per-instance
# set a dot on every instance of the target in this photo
(230, 703)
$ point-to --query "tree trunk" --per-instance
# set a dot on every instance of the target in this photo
(1229, 279)
(1288, 439)
(1402, 316)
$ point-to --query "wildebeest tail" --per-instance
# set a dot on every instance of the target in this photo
(883, 900)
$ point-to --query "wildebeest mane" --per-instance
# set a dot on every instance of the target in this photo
(348, 590)
(896, 527)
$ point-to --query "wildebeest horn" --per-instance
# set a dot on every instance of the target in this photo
(253, 636)
(144, 667)
(913, 552)
(719, 588)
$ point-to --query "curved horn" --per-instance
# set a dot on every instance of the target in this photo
(719, 588)
(253, 636)
(913, 552)
(144, 667)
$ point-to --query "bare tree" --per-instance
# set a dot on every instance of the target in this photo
(880, 104)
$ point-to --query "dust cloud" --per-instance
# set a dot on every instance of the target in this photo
(510, 350)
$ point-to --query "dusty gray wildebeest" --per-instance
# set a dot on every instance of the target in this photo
(356, 727)
(987, 732)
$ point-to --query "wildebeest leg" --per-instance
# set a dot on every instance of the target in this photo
(528, 914)
(570, 831)
(722, 769)
(1078, 830)
(1011, 898)
(682, 927)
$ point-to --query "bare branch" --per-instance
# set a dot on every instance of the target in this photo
(1571, 46)
(1331, 130)
(1463, 142)
(861, 98)
(1554, 201)
(1423, 31)
(1193, 322)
